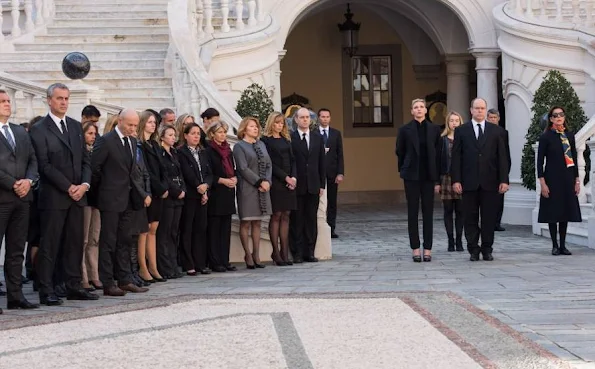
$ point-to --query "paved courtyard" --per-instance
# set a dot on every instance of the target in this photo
(514, 312)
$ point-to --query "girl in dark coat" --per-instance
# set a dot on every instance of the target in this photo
(559, 181)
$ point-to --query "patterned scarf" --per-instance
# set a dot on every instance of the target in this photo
(225, 152)
(565, 146)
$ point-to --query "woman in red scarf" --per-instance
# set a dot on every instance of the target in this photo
(221, 205)
(559, 180)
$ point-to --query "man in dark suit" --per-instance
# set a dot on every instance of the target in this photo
(479, 171)
(65, 175)
(494, 118)
(308, 150)
(418, 149)
(18, 171)
(335, 169)
(113, 173)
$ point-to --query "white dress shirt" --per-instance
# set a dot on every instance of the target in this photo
(476, 129)
(324, 129)
(2, 124)
(57, 121)
(123, 143)
(301, 133)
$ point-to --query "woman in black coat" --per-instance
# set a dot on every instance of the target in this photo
(222, 197)
(198, 179)
(167, 233)
(560, 183)
(151, 151)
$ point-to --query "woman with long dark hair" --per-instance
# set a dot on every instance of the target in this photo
(283, 198)
(198, 179)
(560, 183)
(221, 205)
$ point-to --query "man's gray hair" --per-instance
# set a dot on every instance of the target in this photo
(56, 86)
(494, 112)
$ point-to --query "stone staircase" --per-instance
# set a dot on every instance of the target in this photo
(125, 40)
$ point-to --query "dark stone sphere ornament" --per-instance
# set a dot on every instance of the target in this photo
(543, 122)
(76, 65)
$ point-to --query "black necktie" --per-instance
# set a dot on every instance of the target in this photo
(324, 137)
(480, 134)
(128, 149)
(304, 139)
(63, 127)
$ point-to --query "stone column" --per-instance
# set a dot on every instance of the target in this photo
(457, 81)
(486, 66)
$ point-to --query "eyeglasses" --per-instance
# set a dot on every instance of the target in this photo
(558, 115)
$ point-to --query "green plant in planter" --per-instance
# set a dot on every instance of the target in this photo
(255, 102)
(554, 90)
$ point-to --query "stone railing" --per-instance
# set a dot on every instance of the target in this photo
(194, 90)
(30, 95)
(26, 17)
(210, 16)
(557, 13)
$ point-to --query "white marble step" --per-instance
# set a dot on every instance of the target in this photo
(28, 65)
(110, 22)
(86, 47)
(107, 30)
(94, 56)
(576, 235)
(116, 73)
(130, 92)
(122, 83)
(140, 103)
(120, 7)
(162, 3)
(98, 39)
(109, 14)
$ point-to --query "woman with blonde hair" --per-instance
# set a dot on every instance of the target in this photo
(451, 201)
(151, 151)
(181, 123)
(278, 143)
(110, 124)
(254, 170)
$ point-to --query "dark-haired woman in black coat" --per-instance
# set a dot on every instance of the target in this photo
(560, 183)
(198, 179)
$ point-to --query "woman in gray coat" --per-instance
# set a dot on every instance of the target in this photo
(254, 171)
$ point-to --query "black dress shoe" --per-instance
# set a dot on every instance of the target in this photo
(23, 304)
(298, 260)
(334, 235)
(50, 300)
(81, 295)
(219, 269)
(192, 274)
(231, 268)
(204, 271)
(460, 247)
(311, 259)
(499, 228)
(474, 257)
(259, 266)
(60, 290)
(565, 251)
(288, 262)
(488, 257)
(555, 251)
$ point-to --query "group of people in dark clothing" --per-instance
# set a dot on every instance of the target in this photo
(468, 166)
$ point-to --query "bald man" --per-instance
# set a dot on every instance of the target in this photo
(308, 150)
(112, 165)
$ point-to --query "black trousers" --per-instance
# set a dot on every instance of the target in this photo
(303, 227)
(14, 222)
(115, 244)
(331, 209)
(476, 203)
(194, 235)
(62, 233)
(414, 192)
(500, 210)
(219, 235)
(453, 221)
(167, 238)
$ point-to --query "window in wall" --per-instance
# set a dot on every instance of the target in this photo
(371, 91)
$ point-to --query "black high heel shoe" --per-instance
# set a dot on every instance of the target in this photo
(416, 258)
(158, 279)
(259, 266)
(249, 266)
(277, 260)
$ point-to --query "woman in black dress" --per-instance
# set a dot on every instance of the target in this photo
(167, 233)
(198, 179)
(559, 181)
(147, 243)
(283, 198)
(222, 197)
